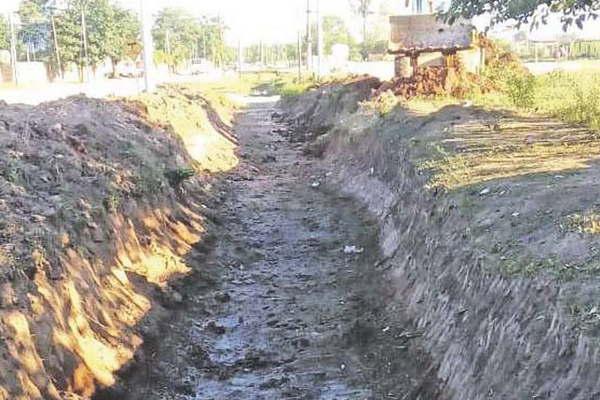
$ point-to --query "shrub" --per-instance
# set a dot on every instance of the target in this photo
(585, 108)
(572, 97)
(292, 87)
(176, 177)
(521, 89)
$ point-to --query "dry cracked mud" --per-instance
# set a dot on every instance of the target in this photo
(278, 310)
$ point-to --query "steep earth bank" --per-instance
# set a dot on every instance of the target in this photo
(279, 308)
(101, 209)
(488, 232)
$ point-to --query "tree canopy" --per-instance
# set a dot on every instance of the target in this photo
(335, 31)
(536, 11)
(4, 39)
(179, 36)
(361, 7)
(123, 36)
(112, 32)
(34, 34)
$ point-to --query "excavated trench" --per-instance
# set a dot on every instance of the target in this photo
(277, 309)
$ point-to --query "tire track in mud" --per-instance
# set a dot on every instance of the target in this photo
(278, 310)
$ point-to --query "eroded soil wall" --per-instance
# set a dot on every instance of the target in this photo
(490, 334)
(98, 216)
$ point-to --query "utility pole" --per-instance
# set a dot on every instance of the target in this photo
(319, 40)
(262, 53)
(168, 48)
(309, 60)
(299, 56)
(56, 49)
(148, 47)
(86, 60)
(13, 49)
(240, 58)
(168, 41)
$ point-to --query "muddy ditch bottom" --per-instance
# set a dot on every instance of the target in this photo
(281, 311)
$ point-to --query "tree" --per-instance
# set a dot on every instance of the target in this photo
(213, 40)
(122, 36)
(99, 23)
(335, 31)
(35, 28)
(573, 11)
(68, 34)
(176, 32)
(109, 31)
(4, 33)
(363, 9)
(179, 37)
(71, 31)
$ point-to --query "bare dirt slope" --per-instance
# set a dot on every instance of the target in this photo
(96, 219)
(284, 312)
(489, 228)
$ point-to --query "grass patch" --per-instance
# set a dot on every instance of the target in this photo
(572, 97)
(587, 222)
(259, 83)
(288, 85)
(552, 125)
(562, 271)
(247, 84)
(507, 160)
(292, 88)
(586, 317)
(200, 117)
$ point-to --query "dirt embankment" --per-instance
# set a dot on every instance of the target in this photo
(100, 205)
(489, 230)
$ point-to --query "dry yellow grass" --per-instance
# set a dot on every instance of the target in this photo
(510, 147)
(210, 146)
(587, 222)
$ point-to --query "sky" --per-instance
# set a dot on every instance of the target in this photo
(256, 20)
(278, 21)
(249, 20)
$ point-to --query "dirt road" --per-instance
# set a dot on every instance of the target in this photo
(278, 310)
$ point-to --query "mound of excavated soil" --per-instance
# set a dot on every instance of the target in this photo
(98, 211)
(321, 116)
(430, 81)
(436, 81)
(489, 227)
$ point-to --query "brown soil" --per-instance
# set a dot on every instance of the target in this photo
(438, 81)
(430, 81)
(489, 235)
(94, 225)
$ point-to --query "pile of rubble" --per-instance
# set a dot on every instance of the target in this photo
(428, 82)
(437, 80)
